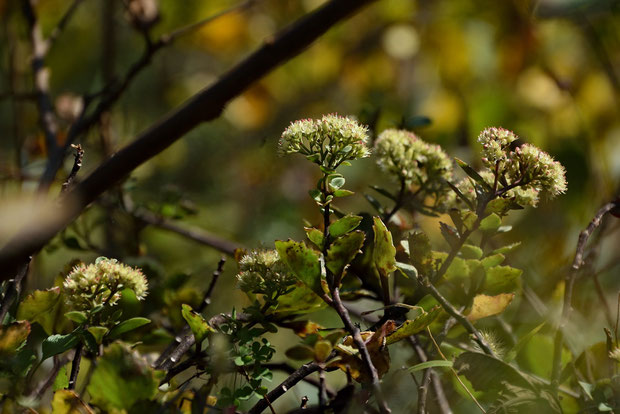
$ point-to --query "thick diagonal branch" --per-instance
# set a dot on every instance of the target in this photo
(204, 106)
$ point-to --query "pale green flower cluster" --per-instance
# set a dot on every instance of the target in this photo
(88, 286)
(495, 145)
(328, 141)
(538, 170)
(521, 195)
(262, 271)
(407, 157)
(527, 173)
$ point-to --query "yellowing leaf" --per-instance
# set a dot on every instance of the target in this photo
(411, 327)
(68, 402)
(41, 306)
(12, 337)
(384, 252)
(342, 251)
(304, 263)
(484, 305)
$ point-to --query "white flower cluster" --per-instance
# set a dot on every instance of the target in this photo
(327, 141)
(88, 286)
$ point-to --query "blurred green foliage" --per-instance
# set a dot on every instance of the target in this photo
(547, 70)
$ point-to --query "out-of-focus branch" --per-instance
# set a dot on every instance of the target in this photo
(197, 235)
(77, 164)
(204, 106)
(47, 117)
(289, 382)
(570, 282)
(113, 90)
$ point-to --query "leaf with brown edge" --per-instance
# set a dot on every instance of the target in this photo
(12, 337)
(302, 328)
(41, 306)
(485, 305)
(342, 251)
(348, 357)
(68, 402)
(411, 327)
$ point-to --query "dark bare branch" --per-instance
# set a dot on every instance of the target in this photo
(197, 235)
(584, 236)
(204, 106)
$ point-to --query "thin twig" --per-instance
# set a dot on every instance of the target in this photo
(195, 234)
(568, 288)
(77, 164)
(282, 366)
(62, 23)
(112, 91)
(182, 341)
(456, 375)
(287, 384)
(14, 289)
(204, 106)
(75, 366)
(47, 117)
(39, 390)
(442, 401)
(450, 309)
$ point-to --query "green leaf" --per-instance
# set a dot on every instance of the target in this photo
(473, 174)
(490, 223)
(315, 194)
(420, 252)
(430, 364)
(469, 251)
(412, 327)
(342, 251)
(493, 260)
(384, 192)
(12, 337)
(512, 354)
(375, 203)
(489, 374)
(384, 252)
(507, 248)
(499, 206)
(315, 236)
(460, 195)
(450, 234)
(62, 379)
(121, 378)
(89, 340)
(57, 344)
(407, 270)
(197, 323)
(41, 306)
(344, 225)
(502, 279)
(126, 326)
(300, 353)
(304, 263)
(98, 332)
(342, 193)
(76, 316)
(336, 183)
